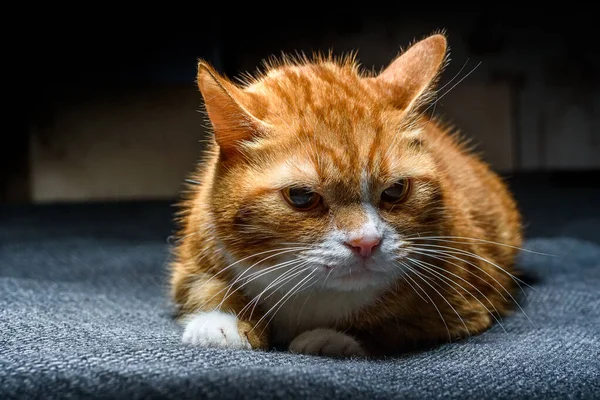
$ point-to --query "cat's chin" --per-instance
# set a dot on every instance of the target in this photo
(358, 281)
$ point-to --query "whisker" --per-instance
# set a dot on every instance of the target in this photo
(231, 284)
(446, 239)
(455, 76)
(174, 239)
(280, 281)
(285, 297)
(453, 86)
(420, 262)
(454, 250)
(450, 305)
(303, 287)
(413, 288)
(306, 268)
(256, 275)
(300, 244)
(275, 286)
(283, 250)
(307, 297)
(448, 83)
(434, 280)
(429, 297)
(256, 263)
(415, 250)
(325, 280)
(508, 292)
(428, 266)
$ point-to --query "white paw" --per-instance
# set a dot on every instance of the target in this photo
(214, 329)
(326, 342)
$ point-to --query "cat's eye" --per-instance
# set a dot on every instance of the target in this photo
(396, 193)
(300, 198)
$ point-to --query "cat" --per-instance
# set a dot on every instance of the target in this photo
(332, 216)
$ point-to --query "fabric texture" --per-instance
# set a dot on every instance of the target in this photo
(84, 312)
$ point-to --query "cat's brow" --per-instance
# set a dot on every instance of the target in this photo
(295, 172)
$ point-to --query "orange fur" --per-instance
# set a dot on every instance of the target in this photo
(324, 123)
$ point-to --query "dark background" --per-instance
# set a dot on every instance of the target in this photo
(103, 105)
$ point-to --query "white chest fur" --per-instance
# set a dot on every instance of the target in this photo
(308, 310)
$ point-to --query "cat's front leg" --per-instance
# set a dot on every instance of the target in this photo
(220, 329)
(213, 316)
(326, 342)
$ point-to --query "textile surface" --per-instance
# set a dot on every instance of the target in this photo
(84, 312)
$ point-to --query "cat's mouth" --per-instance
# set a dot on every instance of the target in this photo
(360, 270)
(356, 277)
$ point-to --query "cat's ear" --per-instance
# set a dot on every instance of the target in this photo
(224, 102)
(413, 72)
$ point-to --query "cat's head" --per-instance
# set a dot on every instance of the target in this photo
(321, 168)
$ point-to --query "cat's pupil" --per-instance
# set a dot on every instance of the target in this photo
(301, 197)
(396, 192)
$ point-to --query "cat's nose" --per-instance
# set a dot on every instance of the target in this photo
(364, 245)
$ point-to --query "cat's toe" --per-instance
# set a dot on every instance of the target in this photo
(326, 342)
(214, 329)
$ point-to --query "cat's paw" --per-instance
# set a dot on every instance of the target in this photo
(326, 342)
(214, 329)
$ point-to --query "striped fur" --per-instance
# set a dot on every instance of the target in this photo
(348, 134)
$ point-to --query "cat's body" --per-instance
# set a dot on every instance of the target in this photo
(358, 224)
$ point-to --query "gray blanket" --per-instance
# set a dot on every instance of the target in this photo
(84, 313)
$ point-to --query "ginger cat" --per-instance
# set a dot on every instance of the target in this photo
(332, 216)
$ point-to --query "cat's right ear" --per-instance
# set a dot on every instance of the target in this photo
(414, 72)
(224, 102)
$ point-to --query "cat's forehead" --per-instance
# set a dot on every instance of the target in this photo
(326, 103)
(332, 123)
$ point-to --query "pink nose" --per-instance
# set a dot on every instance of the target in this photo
(364, 246)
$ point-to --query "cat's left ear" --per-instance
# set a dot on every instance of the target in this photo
(225, 103)
(413, 72)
